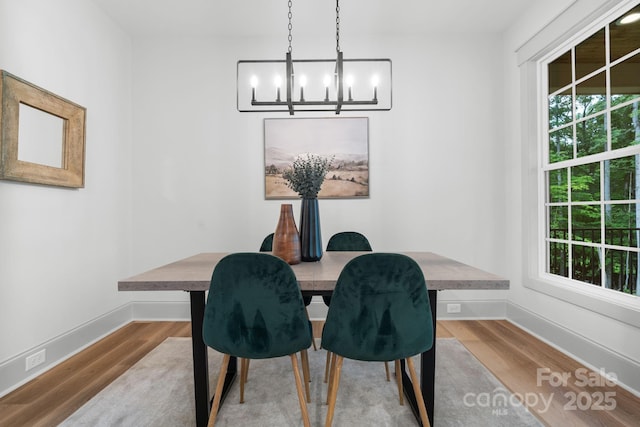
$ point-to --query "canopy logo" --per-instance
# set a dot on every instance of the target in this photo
(500, 400)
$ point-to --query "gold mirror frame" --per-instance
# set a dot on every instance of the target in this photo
(15, 91)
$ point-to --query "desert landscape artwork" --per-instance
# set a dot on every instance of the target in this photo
(344, 140)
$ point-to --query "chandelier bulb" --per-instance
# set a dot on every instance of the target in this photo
(349, 80)
(278, 83)
(254, 84)
(303, 82)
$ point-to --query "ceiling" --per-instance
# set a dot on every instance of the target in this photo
(310, 17)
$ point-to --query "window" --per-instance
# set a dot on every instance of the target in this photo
(591, 159)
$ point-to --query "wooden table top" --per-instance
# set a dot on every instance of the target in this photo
(194, 273)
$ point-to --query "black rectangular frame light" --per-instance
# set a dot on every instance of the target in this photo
(314, 96)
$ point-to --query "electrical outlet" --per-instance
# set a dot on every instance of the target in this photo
(453, 308)
(35, 359)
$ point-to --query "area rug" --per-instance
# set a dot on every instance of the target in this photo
(158, 391)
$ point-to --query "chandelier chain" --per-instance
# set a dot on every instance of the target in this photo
(290, 26)
(337, 25)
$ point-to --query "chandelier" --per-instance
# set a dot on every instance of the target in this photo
(314, 84)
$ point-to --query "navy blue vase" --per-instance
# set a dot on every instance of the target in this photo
(310, 237)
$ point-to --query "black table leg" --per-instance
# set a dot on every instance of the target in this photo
(201, 363)
(427, 372)
(428, 363)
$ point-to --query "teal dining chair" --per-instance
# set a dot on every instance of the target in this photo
(379, 312)
(267, 243)
(267, 246)
(254, 310)
(350, 241)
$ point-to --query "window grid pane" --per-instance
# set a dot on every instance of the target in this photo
(591, 96)
(561, 145)
(591, 136)
(622, 271)
(624, 85)
(624, 120)
(560, 72)
(586, 264)
(560, 109)
(590, 54)
(558, 186)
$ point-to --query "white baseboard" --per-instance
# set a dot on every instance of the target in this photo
(317, 309)
(477, 310)
(165, 310)
(12, 371)
(589, 353)
(58, 349)
(484, 309)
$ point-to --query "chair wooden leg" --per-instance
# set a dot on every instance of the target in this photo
(246, 372)
(386, 370)
(306, 374)
(327, 367)
(416, 389)
(219, 386)
(303, 404)
(244, 367)
(399, 381)
(332, 392)
(331, 365)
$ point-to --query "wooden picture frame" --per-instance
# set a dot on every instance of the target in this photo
(345, 139)
(18, 95)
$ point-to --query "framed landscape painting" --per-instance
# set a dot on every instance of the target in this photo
(345, 140)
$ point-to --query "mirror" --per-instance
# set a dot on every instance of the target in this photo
(42, 136)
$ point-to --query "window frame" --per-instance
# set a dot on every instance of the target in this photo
(576, 23)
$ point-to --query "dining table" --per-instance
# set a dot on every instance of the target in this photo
(193, 275)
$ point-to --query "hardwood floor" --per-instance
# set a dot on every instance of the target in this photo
(53, 396)
(511, 354)
(515, 358)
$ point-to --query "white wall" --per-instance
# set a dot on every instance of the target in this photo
(63, 250)
(436, 162)
(568, 320)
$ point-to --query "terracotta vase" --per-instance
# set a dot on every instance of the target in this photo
(286, 239)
